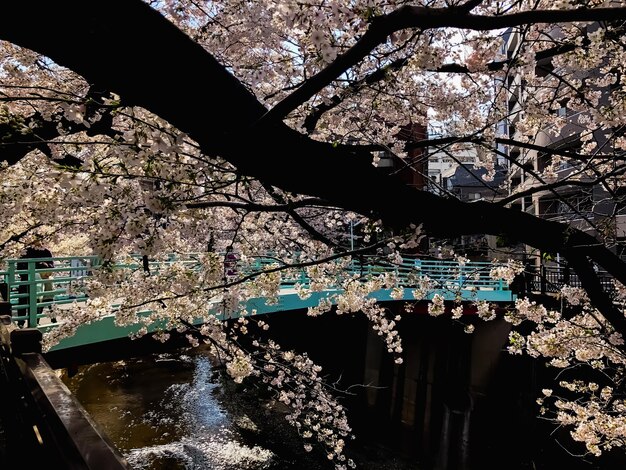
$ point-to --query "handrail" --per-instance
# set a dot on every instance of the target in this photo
(31, 290)
(55, 429)
(550, 279)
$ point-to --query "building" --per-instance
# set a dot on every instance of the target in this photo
(453, 170)
(553, 180)
(413, 170)
(468, 183)
(443, 161)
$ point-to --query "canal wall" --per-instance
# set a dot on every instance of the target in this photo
(458, 401)
(41, 424)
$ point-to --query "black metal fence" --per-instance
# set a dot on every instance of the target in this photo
(550, 280)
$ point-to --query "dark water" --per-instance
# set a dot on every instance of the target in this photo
(175, 411)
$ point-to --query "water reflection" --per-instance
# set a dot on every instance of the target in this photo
(199, 432)
(173, 411)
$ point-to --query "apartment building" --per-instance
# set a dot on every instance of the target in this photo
(575, 200)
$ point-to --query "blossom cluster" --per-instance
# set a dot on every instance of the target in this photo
(98, 176)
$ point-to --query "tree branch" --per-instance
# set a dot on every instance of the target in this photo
(426, 18)
(19, 136)
(562, 183)
(311, 120)
(250, 206)
(598, 297)
(160, 55)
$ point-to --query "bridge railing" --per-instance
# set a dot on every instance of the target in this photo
(31, 288)
(444, 274)
(451, 275)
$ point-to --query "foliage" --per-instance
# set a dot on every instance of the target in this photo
(261, 128)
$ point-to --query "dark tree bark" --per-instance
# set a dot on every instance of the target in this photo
(130, 49)
(15, 145)
(425, 18)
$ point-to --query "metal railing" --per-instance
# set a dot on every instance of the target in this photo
(550, 279)
(31, 287)
(450, 275)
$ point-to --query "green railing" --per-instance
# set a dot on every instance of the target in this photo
(446, 275)
(31, 288)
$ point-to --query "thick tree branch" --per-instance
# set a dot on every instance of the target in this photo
(597, 295)
(160, 55)
(250, 206)
(426, 18)
(311, 120)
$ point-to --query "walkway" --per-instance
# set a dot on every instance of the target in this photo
(31, 289)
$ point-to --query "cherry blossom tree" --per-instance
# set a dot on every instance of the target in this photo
(185, 126)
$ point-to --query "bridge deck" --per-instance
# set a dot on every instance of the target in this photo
(31, 288)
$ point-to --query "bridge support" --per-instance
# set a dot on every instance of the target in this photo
(457, 403)
(455, 433)
(433, 404)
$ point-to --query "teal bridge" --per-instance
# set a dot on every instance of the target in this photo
(30, 289)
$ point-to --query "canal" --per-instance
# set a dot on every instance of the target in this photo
(457, 402)
(176, 411)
